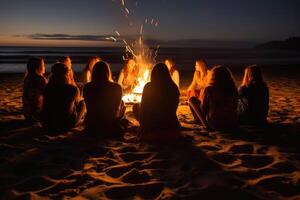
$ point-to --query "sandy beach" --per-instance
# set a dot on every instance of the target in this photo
(252, 163)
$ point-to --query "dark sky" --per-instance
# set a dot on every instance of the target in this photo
(89, 21)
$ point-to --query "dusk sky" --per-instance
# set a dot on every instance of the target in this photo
(88, 22)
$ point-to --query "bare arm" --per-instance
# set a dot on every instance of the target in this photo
(176, 78)
(121, 78)
(193, 84)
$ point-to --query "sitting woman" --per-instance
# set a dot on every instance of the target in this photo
(199, 80)
(173, 71)
(103, 101)
(157, 111)
(87, 72)
(62, 108)
(254, 97)
(33, 89)
(66, 60)
(128, 76)
(217, 108)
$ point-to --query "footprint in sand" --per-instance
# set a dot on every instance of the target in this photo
(256, 161)
(147, 191)
(282, 185)
(241, 148)
(135, 176)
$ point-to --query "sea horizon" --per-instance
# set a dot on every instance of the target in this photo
(13, 58)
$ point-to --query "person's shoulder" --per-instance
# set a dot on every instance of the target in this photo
(41, 80)
(115, 86)
(87, 85)
(71, 88)
(148, 86)
(209, 88)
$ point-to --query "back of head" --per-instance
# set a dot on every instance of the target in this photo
(253, 75)
(63, 59)
(221, 77)
(160, 74)
(91, 62)
(34, 64)
(101, 72)
(59, 74)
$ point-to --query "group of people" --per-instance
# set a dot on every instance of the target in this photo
(215, 101)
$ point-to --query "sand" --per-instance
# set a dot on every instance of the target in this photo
(252, 163)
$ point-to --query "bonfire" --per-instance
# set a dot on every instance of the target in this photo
(144, 57)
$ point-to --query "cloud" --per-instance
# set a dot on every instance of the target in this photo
(148, 41)
(41, 36)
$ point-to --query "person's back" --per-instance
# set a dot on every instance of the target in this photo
(59, 110)
(254, 97)
(159, 106)
(102, 101)
(222, 108)
(62, 109)
(217, 108)
(33, 89)
(255, 100)
(159, 101)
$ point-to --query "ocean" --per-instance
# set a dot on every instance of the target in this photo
(13, 59)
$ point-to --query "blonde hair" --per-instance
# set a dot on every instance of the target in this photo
(203, 66)
(172, 63)
(126, 71)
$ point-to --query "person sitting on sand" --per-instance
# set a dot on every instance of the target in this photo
(173, 71)
(103, 100)
(217, 107)
(87, 72)
(128, 76)
(160, 99)
(62, 108)
(66, 60)
(254, 97)
(33, 89)
(199, 79)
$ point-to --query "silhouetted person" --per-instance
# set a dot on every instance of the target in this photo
(160, 99)
(66, 60)
(33, 89)
(173, 71)
(62, 108)
(103, 101)
(254, 97)
(128, 76)
(87, 72)
(199, 79)
(217, 107)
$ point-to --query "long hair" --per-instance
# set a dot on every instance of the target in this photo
(59, 74)
(91, 63)
(203, 67)
(222, 78)
(160, 75)
(101, 72)
(172, 63)
(126, 68)
(63, 59)
(33, 65)
(252, 75)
